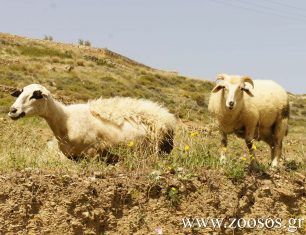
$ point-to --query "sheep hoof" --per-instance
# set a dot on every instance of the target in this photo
(274, 163)
(274, 168)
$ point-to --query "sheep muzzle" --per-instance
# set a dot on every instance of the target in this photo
(14, 115)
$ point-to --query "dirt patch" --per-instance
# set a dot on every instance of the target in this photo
(36, 202)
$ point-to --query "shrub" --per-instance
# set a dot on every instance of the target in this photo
(55, 60)
(80, 63)
(87, 43)
(81, 42)
(48, 38)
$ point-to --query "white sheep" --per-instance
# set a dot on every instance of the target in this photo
(84, 129)
(252, 109)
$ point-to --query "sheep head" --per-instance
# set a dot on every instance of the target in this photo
(233, 87)
(31, 100)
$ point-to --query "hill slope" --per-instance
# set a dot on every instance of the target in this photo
(81, 73)
(43, 192)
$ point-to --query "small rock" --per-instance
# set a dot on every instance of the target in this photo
(284, 192)
(96, 212)
(182, 188)
(66, 177)
(266, 189)
(85, 214)
(180, 169)
(53, 204)
(29, 184)
(15, 207)
(67, 202)
(92, 178)
(276, 176)
(300, 176)
(76, 224)
(98, 174)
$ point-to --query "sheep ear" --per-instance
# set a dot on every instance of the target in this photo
(16, 93)
(217, 88)
(37, 95)
(246, 90)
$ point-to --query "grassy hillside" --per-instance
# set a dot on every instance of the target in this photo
(80, 73)
(44, 192)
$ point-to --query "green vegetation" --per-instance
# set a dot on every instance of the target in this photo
(36, 51)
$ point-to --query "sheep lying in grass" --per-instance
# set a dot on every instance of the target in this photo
(256, 109)
(85, 129)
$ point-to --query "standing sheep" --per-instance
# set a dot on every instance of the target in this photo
(84, 129)
(256, 109)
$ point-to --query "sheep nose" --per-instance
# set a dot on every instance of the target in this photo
(13, 110)
(231, 103)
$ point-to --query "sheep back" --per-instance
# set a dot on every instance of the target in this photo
(117, 110)
(270, 101)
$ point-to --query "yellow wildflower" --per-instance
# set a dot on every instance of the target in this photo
(131, 144)
(243, 158)
(254, 146)
(194, 134)
(173, 189)
(187, 147)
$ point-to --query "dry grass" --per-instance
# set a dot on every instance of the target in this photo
(24, 144)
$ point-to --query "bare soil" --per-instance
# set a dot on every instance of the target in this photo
(36, 202)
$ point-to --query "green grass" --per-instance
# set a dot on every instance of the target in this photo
(36, 51)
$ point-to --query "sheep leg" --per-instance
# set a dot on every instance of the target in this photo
(249, 140)
(223, 147)
(280, 130)
(108, 157)
(75, 158)
(270, 141)
(166, 144)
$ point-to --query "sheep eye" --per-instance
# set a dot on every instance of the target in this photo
(17, 93)
(37, 95)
